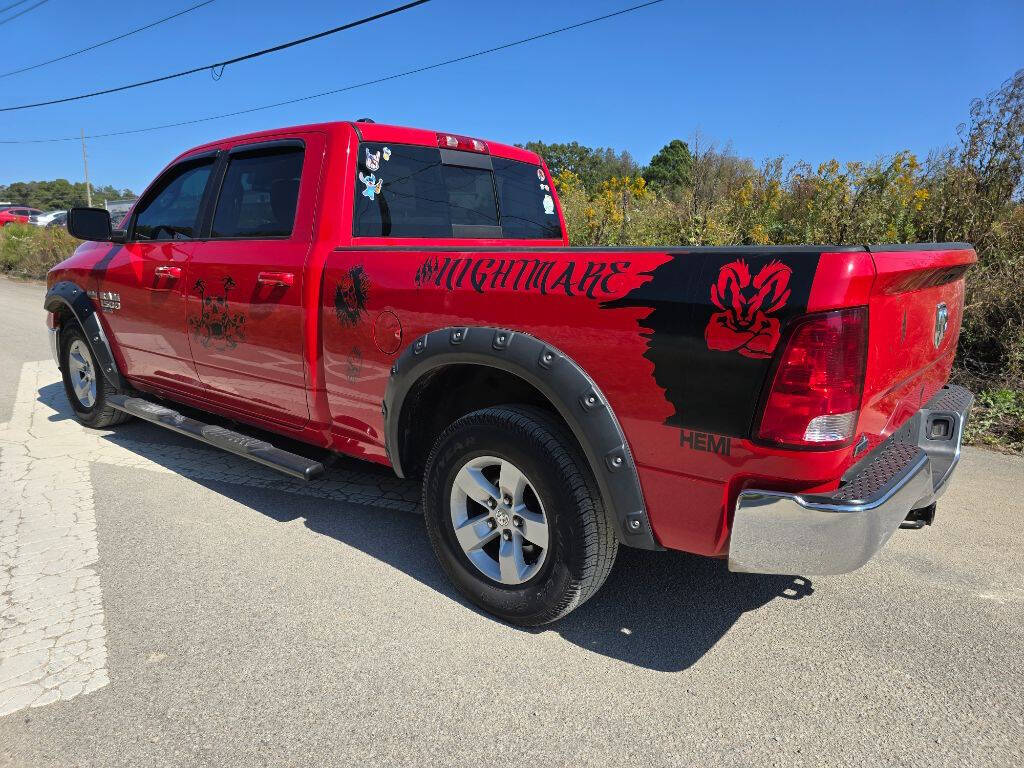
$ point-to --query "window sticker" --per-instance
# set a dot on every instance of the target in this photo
(372, 161)
(540, 174)
(549, 205)
(386, 151)
(545, 187)
(373, 184)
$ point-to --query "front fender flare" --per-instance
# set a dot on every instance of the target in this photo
(566, 386)
(77, 301)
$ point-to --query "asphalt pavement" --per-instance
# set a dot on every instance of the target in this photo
(166, 604)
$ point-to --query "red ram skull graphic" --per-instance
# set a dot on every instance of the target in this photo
(744, 323)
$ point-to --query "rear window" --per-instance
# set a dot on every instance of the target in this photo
(407, 191)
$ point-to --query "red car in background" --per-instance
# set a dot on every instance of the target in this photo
(16, 213)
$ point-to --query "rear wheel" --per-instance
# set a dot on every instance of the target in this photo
(514, 517)
(85, 385)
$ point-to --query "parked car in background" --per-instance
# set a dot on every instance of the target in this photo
(17, 213)
(60, 220)
(49, 218)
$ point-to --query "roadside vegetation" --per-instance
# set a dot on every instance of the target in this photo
(698, 193)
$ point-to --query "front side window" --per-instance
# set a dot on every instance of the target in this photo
(259, 194)
(172, 210)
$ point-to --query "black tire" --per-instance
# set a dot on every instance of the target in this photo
(582, 544)
(99, 415)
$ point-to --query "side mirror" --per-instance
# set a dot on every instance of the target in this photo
(90, 224)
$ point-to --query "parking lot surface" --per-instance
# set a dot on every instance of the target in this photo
(163, 603)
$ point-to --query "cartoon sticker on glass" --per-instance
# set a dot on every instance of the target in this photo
(549, 205)
(372, 160)
(373, 184)
(387, 153)
(540, 174)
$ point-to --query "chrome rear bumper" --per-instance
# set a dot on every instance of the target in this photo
(810, 534)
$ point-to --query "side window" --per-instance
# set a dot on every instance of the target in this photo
(527, 207)
(171, 211)
(259, 194)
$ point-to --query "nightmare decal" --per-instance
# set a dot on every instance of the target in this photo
(745, 323)
(373, 184)
(592, 279)
(216, 326)
(350, 295)
(704, 441)
(713, 322)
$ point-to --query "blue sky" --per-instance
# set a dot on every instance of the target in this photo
(808, 80)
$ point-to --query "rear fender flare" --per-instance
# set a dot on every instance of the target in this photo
(565, 385)
(67, 294)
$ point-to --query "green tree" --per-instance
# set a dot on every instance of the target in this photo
(592, 166)
(670, 170)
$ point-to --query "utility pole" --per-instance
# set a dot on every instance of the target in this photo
(85, 162)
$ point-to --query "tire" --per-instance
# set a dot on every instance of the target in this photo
(510, 574)
(78, 367)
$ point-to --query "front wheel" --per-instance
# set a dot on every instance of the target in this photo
(85, 385)
(514, 517)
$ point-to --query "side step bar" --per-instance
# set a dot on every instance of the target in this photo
(233, 442)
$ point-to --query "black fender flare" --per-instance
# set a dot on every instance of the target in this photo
(77, 301)
(566, 386)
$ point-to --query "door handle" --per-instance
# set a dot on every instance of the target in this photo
(279, 279)
(171, 273)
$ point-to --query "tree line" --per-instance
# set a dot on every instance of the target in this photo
(58, 194)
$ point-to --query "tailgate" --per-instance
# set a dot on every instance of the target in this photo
(916, 308)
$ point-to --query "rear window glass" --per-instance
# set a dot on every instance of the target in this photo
(406, 191)
(527, 207)
(259, 193)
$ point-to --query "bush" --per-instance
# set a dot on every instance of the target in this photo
(29, 251)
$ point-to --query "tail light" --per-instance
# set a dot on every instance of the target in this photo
(453, 141)
(816, 392)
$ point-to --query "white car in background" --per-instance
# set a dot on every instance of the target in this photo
(50, 218)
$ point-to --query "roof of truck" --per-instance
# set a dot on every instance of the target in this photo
(376, 132)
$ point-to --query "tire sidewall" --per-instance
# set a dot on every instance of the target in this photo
(483, 434)
(84, 415)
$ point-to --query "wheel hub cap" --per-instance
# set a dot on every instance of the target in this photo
(499, 520)
(82, 373)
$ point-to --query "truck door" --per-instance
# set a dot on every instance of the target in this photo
(245, 282)
(141, 283)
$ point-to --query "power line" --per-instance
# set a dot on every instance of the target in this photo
(22, 12)
(353, 87)
(220, 64)
(6, 8)
(94, 46)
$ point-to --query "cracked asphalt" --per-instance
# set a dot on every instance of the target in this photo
(162, 603)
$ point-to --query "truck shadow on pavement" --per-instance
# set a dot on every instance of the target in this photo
(659, 610)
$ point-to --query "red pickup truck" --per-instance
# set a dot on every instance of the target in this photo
(410, 298)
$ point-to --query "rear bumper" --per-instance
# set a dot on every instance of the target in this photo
(838, 532)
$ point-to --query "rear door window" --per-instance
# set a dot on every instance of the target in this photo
(259, 194)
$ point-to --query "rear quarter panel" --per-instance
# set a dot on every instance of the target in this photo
(636, 320)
